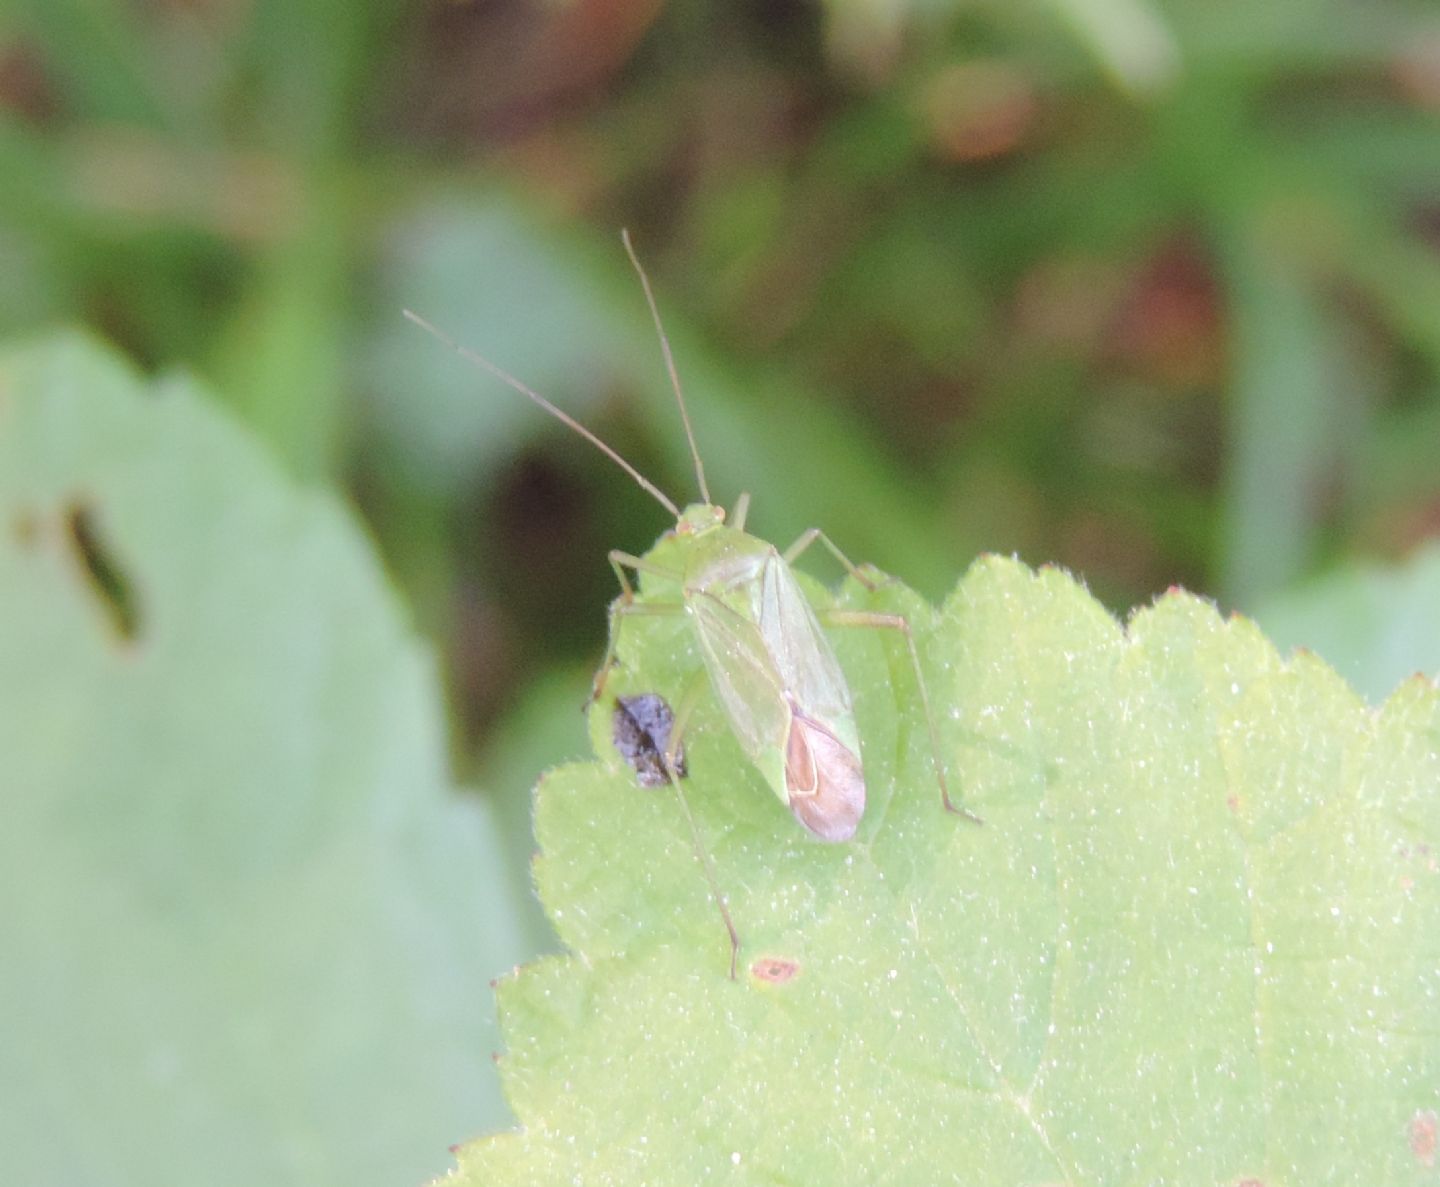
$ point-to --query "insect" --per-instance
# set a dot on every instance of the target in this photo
(641, 730)
(769, 663)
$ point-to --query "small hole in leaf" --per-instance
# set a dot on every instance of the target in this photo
(108, 581)
(774, 969)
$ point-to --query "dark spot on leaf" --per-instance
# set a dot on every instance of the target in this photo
(1423, 1136)
(641, 730)
(113, 590)
(774, 969)
(1250, 1183)
(1232, 801)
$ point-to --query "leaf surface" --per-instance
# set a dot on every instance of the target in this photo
(245, 920)
(1196, 940)
(1378, 625)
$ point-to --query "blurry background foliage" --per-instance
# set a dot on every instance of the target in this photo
(1149, 288)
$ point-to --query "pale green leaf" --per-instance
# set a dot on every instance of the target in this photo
(1377, 625)
(245, 923)
(1196, 940)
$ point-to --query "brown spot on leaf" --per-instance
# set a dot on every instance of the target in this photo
(26, 528)
(1423, 1136)
(775, 969)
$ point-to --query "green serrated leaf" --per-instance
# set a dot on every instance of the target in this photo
(244, 920)
(1196, 941)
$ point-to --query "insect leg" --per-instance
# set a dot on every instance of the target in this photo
(620, 561)
(809, 536)
(626, 604)
(688, 701)
(742, 509)
(898, 622)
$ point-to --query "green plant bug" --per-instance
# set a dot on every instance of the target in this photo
(762, 644)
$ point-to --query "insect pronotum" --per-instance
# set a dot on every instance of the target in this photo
(768, 660)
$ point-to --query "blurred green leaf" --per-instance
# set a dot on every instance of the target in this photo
(246, 917)
(1288, 388)
(523, 295)
(281, 359)
(1377, 625)
(568, 314)
(1131, 39)
(311, 63)
(1260, 40)
(542, 728)
(100, 49)
(1195, 941)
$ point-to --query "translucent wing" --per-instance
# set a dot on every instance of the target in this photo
(803, 659)
(744, 676)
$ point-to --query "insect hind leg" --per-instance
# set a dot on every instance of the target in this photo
(683, 713)
(623, 607)
(898, 622)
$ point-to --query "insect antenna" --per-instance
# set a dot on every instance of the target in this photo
(563, 417)
(669, 364)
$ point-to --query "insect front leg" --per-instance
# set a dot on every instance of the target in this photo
(621, 561)
(626, 604)
(898, 622)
